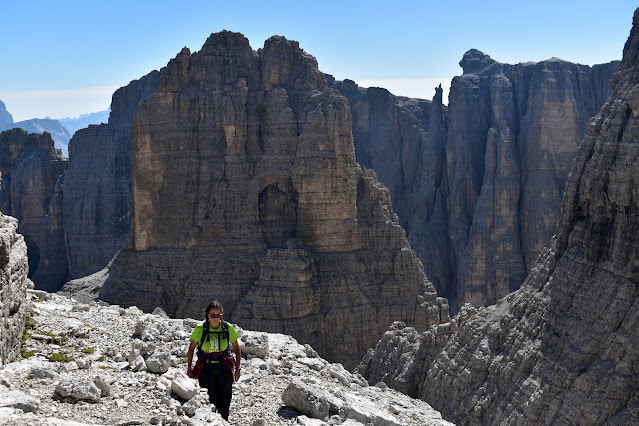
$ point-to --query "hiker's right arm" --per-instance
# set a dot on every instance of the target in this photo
(189, 358)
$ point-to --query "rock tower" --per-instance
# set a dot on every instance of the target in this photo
(246, 189)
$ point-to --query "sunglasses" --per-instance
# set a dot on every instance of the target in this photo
(216, 315)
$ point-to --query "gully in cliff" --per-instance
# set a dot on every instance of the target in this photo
(215, 368)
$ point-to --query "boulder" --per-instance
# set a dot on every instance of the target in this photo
(78, 389)
(183, 386)
(158, 363)
(306, 399)
(136, 360)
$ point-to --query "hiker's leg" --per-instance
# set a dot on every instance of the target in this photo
(205, 379)
(225, 393)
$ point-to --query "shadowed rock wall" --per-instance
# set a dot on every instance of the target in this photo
(97, 201)
(477, 185)
(30, 168)
(562, 349)
(246, 189)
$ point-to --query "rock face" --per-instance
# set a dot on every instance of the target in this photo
(390, 134)
(513, 132)
(477, 186)
(58, 132)
(97, 200)
(30, 168)
(403, 355)
(246, 189)
(562, 349)
(13, 289)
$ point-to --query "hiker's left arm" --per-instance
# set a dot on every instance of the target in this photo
(238, 359)
(189, 358)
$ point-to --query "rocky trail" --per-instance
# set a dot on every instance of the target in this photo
(102, 364)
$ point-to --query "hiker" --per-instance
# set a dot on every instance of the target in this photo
(215, 368)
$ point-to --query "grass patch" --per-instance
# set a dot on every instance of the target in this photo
(29, 324)
(87, 350)
(107, 367)
(25, 354)
(59, 357)
(100, 359)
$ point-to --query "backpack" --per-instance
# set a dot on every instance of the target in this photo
(205, 333)
(224, 358)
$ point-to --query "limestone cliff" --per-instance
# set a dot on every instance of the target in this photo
(477, 185)
(246, 189)
(30, 168)
(13, 289)
(97, 201)
(562, 349)
(513, 132)
(390, 134)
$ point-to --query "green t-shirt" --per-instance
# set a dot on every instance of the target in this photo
(212, 344)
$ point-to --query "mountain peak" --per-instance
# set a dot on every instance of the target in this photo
(475, 61)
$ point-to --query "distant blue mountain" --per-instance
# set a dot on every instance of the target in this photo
(6, 119)
(59, 133)
(83, 121)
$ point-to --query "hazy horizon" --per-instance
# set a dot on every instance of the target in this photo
(67, 59)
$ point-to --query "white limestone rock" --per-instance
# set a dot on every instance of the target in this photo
(255, 344)
(136, 361)
(83, 363)
(105, 389)
(15, 399)
(78, 389)
(158, 363)
(183, 386)
(306, 399)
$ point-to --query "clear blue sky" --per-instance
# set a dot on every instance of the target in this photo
(62, 58)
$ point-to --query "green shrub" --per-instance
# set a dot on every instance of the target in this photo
(101, 359)
(87, 350)
(59, 357)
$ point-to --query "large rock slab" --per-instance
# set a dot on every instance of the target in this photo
(13, 289)
(245, 186)
(83, 389)
(10, 398)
